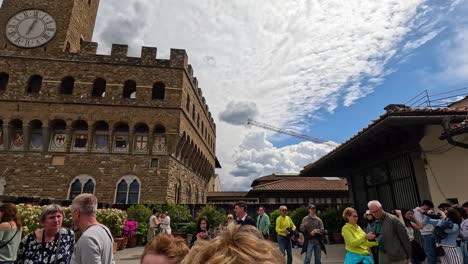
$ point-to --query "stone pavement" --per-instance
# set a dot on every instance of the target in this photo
(335, 255)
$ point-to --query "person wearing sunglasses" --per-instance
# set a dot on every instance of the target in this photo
(357, 242)
(284, 229)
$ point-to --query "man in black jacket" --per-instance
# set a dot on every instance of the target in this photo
(240, 208)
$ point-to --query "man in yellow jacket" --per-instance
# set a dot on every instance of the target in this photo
(284, 229)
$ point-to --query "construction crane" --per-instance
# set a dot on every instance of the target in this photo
(288, 132)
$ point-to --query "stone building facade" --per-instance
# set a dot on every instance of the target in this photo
(130, 130)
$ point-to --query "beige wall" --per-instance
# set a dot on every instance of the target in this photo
(214, 184)
(446, 166)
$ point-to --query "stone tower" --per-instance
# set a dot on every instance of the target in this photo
(47, 25)
(130, 130)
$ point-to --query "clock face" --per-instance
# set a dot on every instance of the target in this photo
(30, 28)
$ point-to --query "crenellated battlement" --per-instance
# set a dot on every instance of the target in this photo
(119, 54)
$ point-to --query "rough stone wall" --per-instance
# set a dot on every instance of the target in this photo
(81, 23)
(27, 172)
(32, 174)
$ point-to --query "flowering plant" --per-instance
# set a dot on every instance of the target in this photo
(114, 219)
(130, 228)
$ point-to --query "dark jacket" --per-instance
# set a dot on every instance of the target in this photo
(396, 243)
(248, 221)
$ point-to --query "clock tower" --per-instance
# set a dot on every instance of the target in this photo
(46, 25)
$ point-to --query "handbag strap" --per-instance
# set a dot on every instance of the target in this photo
(17, 229)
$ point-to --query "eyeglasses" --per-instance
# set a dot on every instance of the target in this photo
(373, 212)
(354, 216)
(230, 218)
(284, 210)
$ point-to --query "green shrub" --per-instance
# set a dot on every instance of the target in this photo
(190, 228)
(273, 216)
(178, 213)
(297, 216)
(215, 217)
(332, 220)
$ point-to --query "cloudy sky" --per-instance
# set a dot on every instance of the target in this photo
(325, 68)
(322, 68)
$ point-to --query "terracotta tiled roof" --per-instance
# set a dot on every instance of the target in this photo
(304, 184)
(395, 110)
(226, 194)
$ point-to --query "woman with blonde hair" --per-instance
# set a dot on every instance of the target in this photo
(357, 242)
(236, 245)
(164, 249)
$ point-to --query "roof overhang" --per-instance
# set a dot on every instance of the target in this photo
(404, 124)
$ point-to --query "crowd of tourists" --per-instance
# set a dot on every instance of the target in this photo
(386, 237)
(390, 237)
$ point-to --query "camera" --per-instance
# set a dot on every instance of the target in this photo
(432, 216)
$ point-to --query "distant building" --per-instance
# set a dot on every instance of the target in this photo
(297, 191)
(404, 157)
(229, 198)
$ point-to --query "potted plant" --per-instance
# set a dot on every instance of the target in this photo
(141, 214)
(178, 213)
(333, 222)
(273, 215)
(114, 219)
(129, 232)
(189, 231)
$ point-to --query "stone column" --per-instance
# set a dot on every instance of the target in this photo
(89, 146)
(150, 141)
(6, 136)
(69, 132)
(26, 138)
(45, 138)
(130, 141)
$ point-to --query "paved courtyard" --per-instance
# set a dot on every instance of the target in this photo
(335, 255)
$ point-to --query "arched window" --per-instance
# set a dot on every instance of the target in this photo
(75, 189)
(159, 139)
(67, 85)
(17, 137)
(4, 77)
(141, 138)
(35, 128)
(101, 136)
(159, 90)
(59, 138)
(34, 84)
(129, 90)
(121, 192)
(133, 192)
(99, 88)
(128, 190)
(88, 187)
(80, 135)
(81, 184)
(121, 138)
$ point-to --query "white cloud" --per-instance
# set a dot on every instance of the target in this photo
(291, 58)
(257, 156)
(454, 57)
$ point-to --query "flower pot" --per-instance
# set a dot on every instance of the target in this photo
(115, 247)
(123, 243)
(132, 241)
(117, 242)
